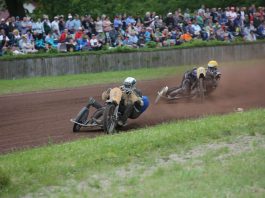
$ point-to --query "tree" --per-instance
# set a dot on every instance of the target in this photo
(15, 7)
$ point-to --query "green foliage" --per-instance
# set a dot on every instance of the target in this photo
(53, 51)
(132, 7)
(151, 44)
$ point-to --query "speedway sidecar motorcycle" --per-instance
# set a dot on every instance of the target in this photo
(109, 116)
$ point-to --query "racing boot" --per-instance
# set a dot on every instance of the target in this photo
(92, 102)
(123, 119)
(163, 91)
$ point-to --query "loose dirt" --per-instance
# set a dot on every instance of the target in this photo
(40, 118)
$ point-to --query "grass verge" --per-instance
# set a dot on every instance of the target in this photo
(77, 80)
(70, 81)
(134, 164)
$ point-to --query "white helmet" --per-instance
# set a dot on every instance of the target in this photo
(129, 83)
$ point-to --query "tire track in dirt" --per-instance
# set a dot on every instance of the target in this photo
(34, 119)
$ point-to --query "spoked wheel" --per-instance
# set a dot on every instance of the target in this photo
(80, 118)
(201, 90)
(110, 118)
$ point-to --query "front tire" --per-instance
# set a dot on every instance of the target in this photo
(110, 119)
(80, 118)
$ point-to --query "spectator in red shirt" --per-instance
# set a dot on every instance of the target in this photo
(79, 33)
(64, 36)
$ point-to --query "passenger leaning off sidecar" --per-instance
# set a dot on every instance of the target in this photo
(135, 102)
(189, 78)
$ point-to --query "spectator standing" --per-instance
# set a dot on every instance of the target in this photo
(46, 25)
(37, 26)
(147, 19)
(130, 20)
(99, 25)
(70, 24)
(3, 41)
(55, 24)
(117, 22)
(11, 24)
(106, 23)
(61, 24)
(4, 26)
(77, 23)
(169, 21)
(18, 24)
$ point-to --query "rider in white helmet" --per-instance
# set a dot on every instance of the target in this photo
(130, 109)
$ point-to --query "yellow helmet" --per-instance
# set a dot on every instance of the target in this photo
(212, 63)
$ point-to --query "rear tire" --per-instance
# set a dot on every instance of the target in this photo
(201, 90)
(80, 118)
(109, 119)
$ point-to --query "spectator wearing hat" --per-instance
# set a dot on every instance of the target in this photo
(94, 43)
(15, 37)
(70, 24)
(169, 21)
(46, 24)
(25, 46)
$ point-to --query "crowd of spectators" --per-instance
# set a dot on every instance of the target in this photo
(80, 33)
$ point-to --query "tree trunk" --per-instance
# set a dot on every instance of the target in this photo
(15, 8)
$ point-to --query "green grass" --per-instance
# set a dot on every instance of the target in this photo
(77, 80)
(129, 164)
(68, 81)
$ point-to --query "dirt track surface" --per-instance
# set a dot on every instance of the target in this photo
(34, 119)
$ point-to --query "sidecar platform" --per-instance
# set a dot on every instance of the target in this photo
(85, 125)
